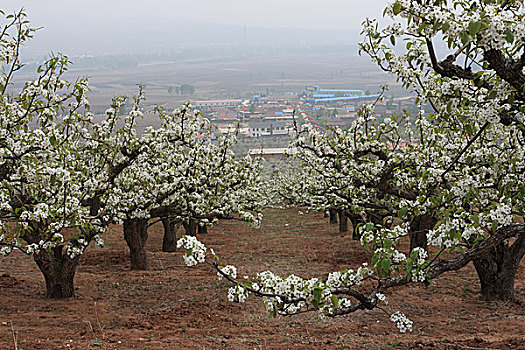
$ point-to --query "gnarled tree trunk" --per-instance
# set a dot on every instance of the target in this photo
(191, 227)
(59, 272)
(203, 229)
(355, 220)
(333, 216)
(343, 221)
(136, 235)
(497, 270)
(169, 242)
(419, 228)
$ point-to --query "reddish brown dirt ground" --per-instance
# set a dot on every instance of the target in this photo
(171, 306)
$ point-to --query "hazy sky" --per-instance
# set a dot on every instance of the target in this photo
(124, 26)
(330, 14)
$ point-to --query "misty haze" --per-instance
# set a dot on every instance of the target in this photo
(224, 49)
(271, 174)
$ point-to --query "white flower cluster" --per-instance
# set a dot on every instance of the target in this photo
(381, 297)
(421, 256)
(40, 212)
(195, 250)
(237, 293)
(76, 248)
(451, 230)
(229, 270)
(56, 240)
(370, 236)
(32, 248)
(99, 241)
(501, 215)
(391, 253)
(344, 303)
(402, 322)
(348, 278)
(5, 250)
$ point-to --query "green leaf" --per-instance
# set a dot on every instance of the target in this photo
(468, 128)
(422, 27)
(494, 226)
(369, 226)
(414, 255)
(521, 194)
(449, 107)
(409, 266)
(375, 259)
(397, 8)
(335, 300)
(273, 313)
(393, 40)
(509, 36)
(464, 37)
(402, 212)
(317, 294)
(384, 268)
(445, 27)
(474, 28)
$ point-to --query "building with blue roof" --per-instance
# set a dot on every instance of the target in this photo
(319, 95)
(341, 99)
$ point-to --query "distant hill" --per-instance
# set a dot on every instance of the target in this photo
(132, 36)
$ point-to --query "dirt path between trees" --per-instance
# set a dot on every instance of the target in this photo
(172, 306)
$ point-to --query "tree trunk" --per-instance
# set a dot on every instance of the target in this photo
(419, 228)
(355, 220)
(58, 270)
(169, 242)
(333, 216)
(203, 229)
(136, 235)
(497, 270)
(191, 227)
(343, 221)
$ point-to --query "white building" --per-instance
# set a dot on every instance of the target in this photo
(217, 103)
(268, 128)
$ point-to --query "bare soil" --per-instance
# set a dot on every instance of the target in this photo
(171, 306)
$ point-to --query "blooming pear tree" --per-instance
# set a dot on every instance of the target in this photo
(361, 169)
(53, 174)
(180, 175)
(477, 92)
(342, 292)
(64, 178)
(454, 161)
(302, 186)
(475, 233)
(454, 177)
